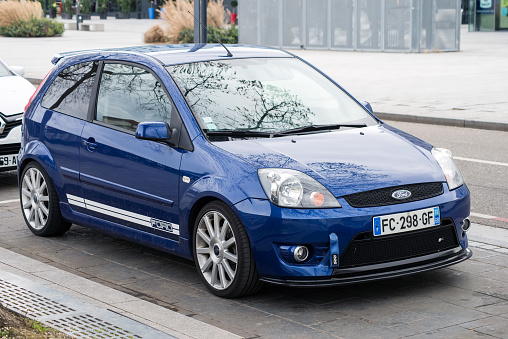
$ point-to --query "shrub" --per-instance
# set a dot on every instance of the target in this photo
(11, 11)
(178, 20)
(155, 34)
(227, 35)
(33, 27)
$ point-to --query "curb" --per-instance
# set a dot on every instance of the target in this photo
(493, 126)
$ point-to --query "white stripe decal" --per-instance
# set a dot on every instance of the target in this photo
(135, 218)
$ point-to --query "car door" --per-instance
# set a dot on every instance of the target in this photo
(66, 106)
(129, 181)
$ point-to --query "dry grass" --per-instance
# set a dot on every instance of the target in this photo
(11, 11)
(177, 17)
(155, 34)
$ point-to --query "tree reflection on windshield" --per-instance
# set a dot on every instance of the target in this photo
(223, 99)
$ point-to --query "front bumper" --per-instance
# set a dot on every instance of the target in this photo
(381, 271)
(269, 227)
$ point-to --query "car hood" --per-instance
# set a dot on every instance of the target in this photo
(348, 161)
(14, 94)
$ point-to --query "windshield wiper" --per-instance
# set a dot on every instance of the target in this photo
(240, 134)
(312, 128)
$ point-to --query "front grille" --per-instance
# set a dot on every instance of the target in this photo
(9, 149)
(365, 249)
(383, 196)
(9, 126)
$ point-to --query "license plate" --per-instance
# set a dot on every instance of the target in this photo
(406, 222)
(8, 160)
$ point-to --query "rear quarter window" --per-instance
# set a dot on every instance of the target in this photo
(70, 92)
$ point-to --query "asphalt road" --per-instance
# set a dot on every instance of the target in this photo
(473, 149)
(482, 157)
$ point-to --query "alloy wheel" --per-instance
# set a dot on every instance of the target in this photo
(216, 250)
(35, 198)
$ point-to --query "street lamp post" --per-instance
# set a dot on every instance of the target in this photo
(200, 36)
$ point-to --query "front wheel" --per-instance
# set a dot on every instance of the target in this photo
(223, 254)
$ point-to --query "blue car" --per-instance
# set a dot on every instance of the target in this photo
(255, 165)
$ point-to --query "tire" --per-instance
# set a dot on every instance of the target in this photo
(39, 202)
(222, 252)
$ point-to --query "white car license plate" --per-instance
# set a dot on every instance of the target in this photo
(406, 222)
(8, 160)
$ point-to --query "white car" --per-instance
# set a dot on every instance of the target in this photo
(14, 94)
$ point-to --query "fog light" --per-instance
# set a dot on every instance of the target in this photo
(465, 225)
(301, 253)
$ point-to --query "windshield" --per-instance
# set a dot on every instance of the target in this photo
(264, 95)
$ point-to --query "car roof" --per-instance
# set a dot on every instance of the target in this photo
(187, 53)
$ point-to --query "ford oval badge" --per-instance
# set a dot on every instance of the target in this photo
(401, 194)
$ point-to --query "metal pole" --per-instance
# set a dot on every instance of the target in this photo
(77, 15)
(200, 35)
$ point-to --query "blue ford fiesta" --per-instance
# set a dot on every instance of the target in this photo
(256, 166)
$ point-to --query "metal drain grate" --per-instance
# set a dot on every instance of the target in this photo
(82, 320)
(86, 326)
(29, 303)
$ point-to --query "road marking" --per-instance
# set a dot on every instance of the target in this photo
(490, 217)
(482, 161)
(8, 201)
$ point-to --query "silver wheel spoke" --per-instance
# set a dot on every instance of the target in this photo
(214, 274)
(32, 177)
(31, 215)
(224, 230)
(41, 217)
(216, 224)
(229, 242)
(36, 219)
(43, 186)
(26, 179)
(27, 204)
(206, 266)
(37, 180)
(228, 269)
(26, 192)
(222, 276)
(209, 227)
(204, 237)
(203, 250)
(230, 257)
(44, 198)
(44, 210)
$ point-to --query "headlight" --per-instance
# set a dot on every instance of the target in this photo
(450, 170)
(289, 188)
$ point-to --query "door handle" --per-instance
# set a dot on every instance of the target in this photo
(90, 144)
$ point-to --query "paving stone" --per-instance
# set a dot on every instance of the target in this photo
(454, 332)
(357, 327)
(73, 258)
(296, 310)
(168, 291)
(473, 266)
(499, 260)
(116, 273)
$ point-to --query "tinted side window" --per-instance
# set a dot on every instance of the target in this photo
(129, 95)
(70, 92)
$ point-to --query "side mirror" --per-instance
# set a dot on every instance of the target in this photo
(367, 106)
(19, 70)
(156, 131)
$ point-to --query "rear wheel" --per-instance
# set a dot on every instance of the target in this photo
(222, 252)
(39, 202)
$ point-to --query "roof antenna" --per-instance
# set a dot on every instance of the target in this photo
(220, 42)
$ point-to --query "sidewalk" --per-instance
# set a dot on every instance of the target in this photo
(85, 309)
(467, 88)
